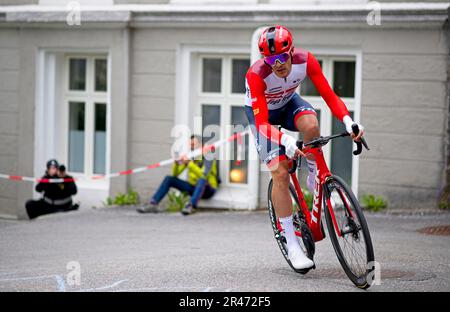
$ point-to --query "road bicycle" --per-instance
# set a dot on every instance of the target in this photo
(345, 220)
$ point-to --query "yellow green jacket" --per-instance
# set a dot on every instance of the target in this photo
(198, 169)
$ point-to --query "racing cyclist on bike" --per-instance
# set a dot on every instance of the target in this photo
(271, 100)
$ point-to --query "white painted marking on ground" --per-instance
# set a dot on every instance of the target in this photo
(61, 283)
(105, 287)
(26, 278)
(169, 289)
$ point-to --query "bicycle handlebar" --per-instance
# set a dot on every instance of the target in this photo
(321, 141)
(360, 143)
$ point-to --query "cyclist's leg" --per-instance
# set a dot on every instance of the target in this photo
(282, 202)
(301, 116)
(267, 149)
(273, 155)
(275, 158)
(280, 190)
(309, 126)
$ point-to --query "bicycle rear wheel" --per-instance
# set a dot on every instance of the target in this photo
(302, 230)
(348, 231)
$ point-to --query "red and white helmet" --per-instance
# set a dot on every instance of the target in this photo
(275, 40)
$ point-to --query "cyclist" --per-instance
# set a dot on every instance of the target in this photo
(271, 100)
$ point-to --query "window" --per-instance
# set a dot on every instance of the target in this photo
(344, 78)
(341, 153)
(76, 136)
(212, 75)
(210, 116)
(239, 68)
(100, 138)
(220, 99)
(86, 98)
(239, 160)
(340, 73)
(100, 75)
(77, 78)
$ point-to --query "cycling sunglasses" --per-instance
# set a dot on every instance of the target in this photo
(281, 58)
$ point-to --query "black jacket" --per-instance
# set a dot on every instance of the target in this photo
(56, 190)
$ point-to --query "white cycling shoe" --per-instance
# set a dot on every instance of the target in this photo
(298, 259)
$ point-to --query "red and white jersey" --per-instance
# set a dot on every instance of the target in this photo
(265, 91)
(278, 91)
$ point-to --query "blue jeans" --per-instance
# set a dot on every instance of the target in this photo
(201, 190)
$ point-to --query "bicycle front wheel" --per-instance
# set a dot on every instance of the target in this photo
(348, 231)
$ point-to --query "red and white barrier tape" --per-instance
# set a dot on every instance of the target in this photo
(205, 149)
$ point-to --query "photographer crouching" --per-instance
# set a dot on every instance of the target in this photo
(57, 197)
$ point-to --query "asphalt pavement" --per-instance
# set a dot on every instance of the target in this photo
(117, 249)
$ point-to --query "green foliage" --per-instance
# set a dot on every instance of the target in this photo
(444, 204)
(121, 199)
(373, 203)
(308, 198)
(444, 198)
(109, 201)
(177, 201)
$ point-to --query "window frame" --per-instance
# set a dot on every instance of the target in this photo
(90, 97)
(241, 57)
(226, 99)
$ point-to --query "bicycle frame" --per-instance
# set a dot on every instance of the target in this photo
(313, 218)
(308, 224)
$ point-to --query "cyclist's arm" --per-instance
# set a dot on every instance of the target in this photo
(315, 73)
(259, 105)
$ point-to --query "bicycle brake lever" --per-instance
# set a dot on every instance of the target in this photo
(360, 143)
(363, 141)
(355, 130)
(358, 149)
